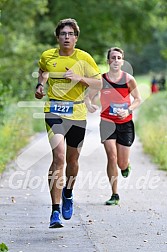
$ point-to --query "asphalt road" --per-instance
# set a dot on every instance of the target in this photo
(139, 223)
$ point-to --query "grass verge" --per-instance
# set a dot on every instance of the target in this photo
(151, 127)
(18, 125)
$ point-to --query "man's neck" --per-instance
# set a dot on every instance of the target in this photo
(66, 52)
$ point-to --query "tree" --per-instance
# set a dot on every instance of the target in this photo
(102, 23)
(18, 44)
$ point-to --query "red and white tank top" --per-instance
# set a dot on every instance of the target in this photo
(114, 96)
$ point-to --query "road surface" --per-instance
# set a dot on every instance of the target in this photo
(139, 223)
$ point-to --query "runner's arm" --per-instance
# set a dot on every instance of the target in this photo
(93, 82)
(90, 101)
(42, 79)
(135, 94)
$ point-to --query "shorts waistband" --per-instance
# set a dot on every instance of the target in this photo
(75, 102)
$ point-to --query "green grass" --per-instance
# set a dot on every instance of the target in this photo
(3, 247)
(143, 79)
(151, 126)
(18, 125)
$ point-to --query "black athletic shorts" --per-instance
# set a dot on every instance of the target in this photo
(123, 133)
(72, 130)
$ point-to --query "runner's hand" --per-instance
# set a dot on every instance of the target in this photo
(91, 107)
(122, 113)
(39, 92)
(70, 75)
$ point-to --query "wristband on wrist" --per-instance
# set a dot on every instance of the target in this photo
(130, 111)
(38, 85)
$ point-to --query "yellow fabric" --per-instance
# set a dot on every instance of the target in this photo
(59, 88)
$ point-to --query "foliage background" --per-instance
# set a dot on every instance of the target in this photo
(27, 26)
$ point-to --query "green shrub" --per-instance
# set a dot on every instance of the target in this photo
(151, 126)
(18, 125)
(3, 247)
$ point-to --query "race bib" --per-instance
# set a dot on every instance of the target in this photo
(61, 107)
(115, 106)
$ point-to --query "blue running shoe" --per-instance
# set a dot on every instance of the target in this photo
(67, 207)
(55, 220)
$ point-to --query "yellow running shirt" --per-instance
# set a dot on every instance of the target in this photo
(59, 88)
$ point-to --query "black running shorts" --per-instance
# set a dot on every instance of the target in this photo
(72, 130)
(123, 133)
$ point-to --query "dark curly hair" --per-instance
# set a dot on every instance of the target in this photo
(117, 49)
(67, 22)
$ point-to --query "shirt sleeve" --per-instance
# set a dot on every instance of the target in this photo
(91, 68)
(42, 63)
